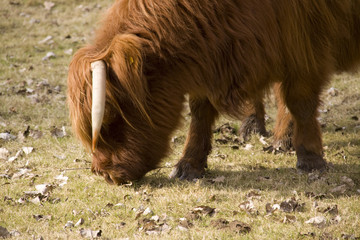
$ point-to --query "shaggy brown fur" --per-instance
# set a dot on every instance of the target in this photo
(224, 54)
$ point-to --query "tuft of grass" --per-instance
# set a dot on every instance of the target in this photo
(33, 94)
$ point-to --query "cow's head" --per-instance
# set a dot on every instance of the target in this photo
(109, 109)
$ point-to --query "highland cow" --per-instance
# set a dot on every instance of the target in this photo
(224, 54)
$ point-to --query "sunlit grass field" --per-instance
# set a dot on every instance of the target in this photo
(47, 190)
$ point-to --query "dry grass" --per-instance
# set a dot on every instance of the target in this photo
(32, 93)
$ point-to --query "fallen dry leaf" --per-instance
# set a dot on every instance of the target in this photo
(27, 150)
(46, 39)
(152, 226)
(17, 155)
(8, 199)
(219, 179)
(35, 134)
(313, 195)
(355, 118)
(221, 156)
(220, 223)
(271, 208)
(247, 205)
(236, 226)
(48, 56)
(155, 218)
(212, 198)
(20, 137)
(69, 224)
(254, 194)
(7, 136)
(225, 129)
(348, 181)
(48, 5)
(332, 91)
(87, 233)
(4, 154)
(184, 224)
(4, 233)
(348, 236)
(14, 233)
(31, 194)
(200, 211)
(261, 178)
(22, 172)
(44, 188)
(319, 221)
(62, 179)
(263, 141)
(273, 150)
(222, 141)
(248, 147)
(338, 129)
(120, 225)
(147, 211)
(289, 219)
(336, 219)
(7, 176)
(147, 224)
(36, 201)
(239, 227)
(119, 205)
(326, 236)
(109, 205)
(26, 132)
(68, 51)
(291, 205)
(59, 133)
(21, 200)
(40, 217)
(15, 3)
(138, 212)
(80, 222)
(41, 194)
(339, 189)
(165, 228)
(308, 234)
(42, 84)
(313, 176)
(333, 210)
(2, 121)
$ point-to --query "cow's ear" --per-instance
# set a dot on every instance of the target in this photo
(124, 57)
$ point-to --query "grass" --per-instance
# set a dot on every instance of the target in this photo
(33, 94)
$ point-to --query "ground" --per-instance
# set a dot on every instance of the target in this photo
(247, 193)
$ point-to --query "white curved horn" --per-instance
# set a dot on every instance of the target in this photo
(98, 69)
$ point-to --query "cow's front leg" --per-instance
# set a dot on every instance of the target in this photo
(302, 99)
(198, 143)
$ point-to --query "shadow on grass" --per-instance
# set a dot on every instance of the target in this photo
(283, 180)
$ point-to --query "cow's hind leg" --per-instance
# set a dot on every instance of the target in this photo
(254, 121)
(198, 143)
(302, 100)
(283, 132)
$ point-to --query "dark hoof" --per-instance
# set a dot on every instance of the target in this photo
(184, 171)
(285, 141)
(252, 125)
(309, 161)
(284, 144)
